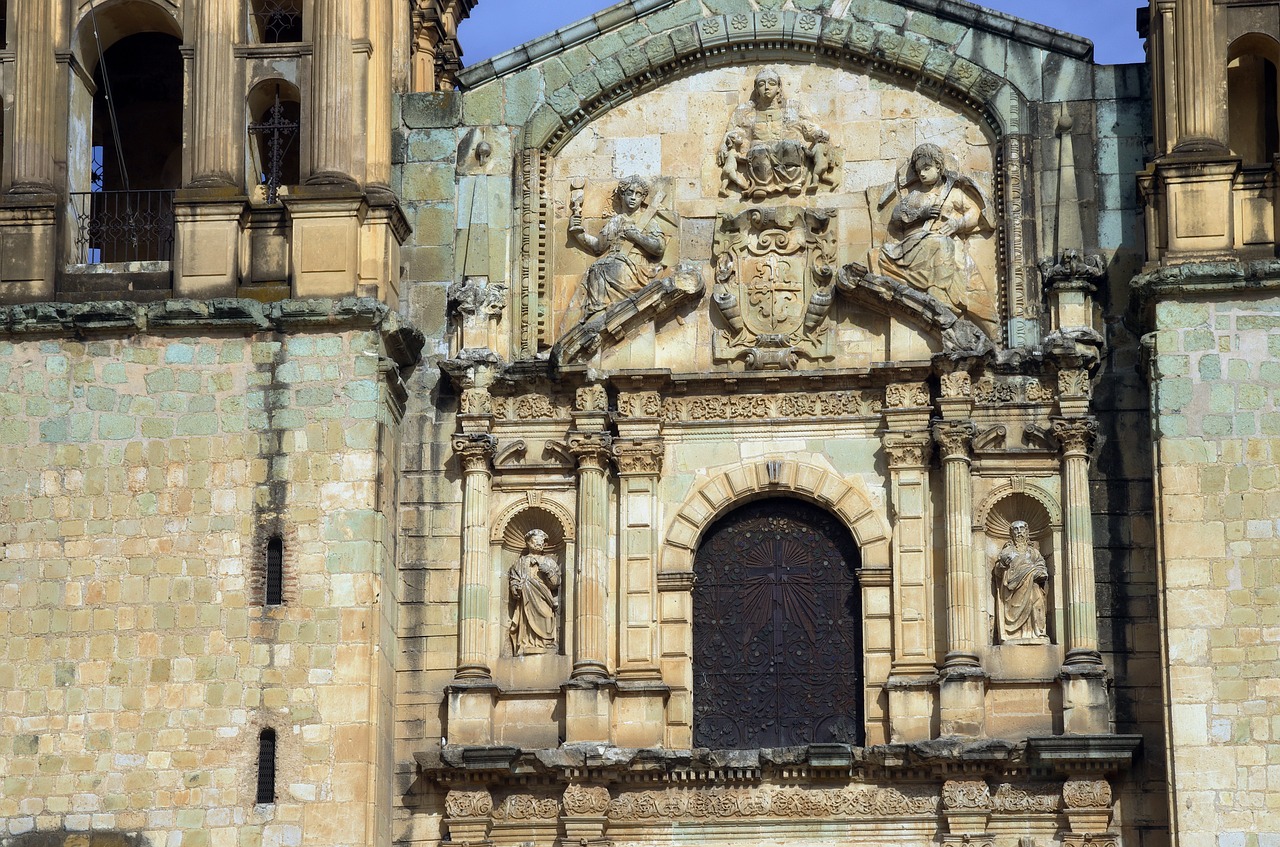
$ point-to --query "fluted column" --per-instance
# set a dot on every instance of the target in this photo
(475, 450)
(33, 25)
(214, 95)
(1196, 66)
(333, 135)
(953, 438)
(378, 118)
(590, 641)
(1076, 435)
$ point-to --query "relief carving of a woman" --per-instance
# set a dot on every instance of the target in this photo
(535, 599)
(628, 247)
(936, 213)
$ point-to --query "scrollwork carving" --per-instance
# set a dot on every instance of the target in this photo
(957, 384)
(639, 404)
(477, 401)
(468, 804)
(1086, 794)
(586, 800)
(966, 794)
(1075, 383)
(638, 456)
(526, 807)
(906, 395)
(1024, 798)
(760, 406)
(475, 450)
(732, 803)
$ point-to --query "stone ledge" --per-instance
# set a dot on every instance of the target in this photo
(939, 758)
(1201, 280)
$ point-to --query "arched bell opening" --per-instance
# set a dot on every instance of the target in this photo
(777, 634)
(1253, 98)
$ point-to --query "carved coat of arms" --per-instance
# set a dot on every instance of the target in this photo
(774, 273)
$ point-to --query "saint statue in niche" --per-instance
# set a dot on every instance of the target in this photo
(535, 586)
(1021, 575)
(630, 246)
(772, 148)
(937, 211)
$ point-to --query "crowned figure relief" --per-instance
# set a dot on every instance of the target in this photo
(630, 247)
(772, 148)
(535, 598)
(938, 210)
(1021, 575)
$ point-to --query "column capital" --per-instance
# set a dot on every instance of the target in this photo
(906, 395)
(476, 450)
(638, 456)
(908, 449)
(639, 404)
(1076, 435)
(954, 438)
(591, 449)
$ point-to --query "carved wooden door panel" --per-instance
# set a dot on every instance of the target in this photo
(777, 637)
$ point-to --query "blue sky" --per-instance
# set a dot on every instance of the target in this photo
(499, 25)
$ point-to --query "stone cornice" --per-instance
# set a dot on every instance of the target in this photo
(1202, 280)
(219, 315)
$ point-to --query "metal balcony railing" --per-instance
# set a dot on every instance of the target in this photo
(123, 226)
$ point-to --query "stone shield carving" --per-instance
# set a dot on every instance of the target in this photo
(773, 294)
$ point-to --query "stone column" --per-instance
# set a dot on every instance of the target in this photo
(963, 682)
(1085, 703)
(591, 584)
(215, 114)
(34, 30)
(331, 107)
(378, 118)
(1196, 64)
(475, 450)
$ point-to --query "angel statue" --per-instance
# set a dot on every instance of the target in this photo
(630, 246)
(1021, 574)
(771, 148)
(535, 586)
(938, 210)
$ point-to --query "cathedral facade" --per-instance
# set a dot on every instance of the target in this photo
(791, 421)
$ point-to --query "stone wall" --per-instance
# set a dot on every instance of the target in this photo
(1216, 402)
(144, 474)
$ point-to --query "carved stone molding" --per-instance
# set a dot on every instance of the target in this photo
(908, 449)
(966, 794)
(1086, 794)
(586, 800)
(591, 398)
(527, 807)
(906, 395)
(1076, 435)
(1073, 267)
(1089, 839)
(468, 804)
(746, 803)
(957, 384)
(475, 449)
(639, 404)
(638, 455)
(989, 391)
(529, 407)
(762, 406)
(475, 296)
(1011, 798)
(954, 438)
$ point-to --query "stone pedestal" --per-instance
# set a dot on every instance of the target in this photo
(962, 701)
(28, 248)
(587, 710)
(206, 242)
(324, 241)
(1086, 705)
(471, 706)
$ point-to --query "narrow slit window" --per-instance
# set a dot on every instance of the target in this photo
(266, 792)
(275, 572)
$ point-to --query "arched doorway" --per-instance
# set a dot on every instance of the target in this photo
(777, 639)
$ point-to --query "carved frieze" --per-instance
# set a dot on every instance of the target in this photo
(906, 395)
(1075, 383)
(468, 804)
(762, 406)
(957, 385)
(527, 807)
(591, 398)
(586, 800)
(993, 391)
(1014, 799)
(529, 407)
(740, 803)
(476, 401)
(1086, 794)
(639, 404)
(775, 269)
(966, 794)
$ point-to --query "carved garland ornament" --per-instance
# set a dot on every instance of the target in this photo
(1086, 794)
(468, 804)
(528, 407)
(526, 807)
(586, 800)
(730, 803)
(641, 404)
(591, 398)
(989, 391)
(1020, 798)
(760, 406)
(906, 395)
(966, 794)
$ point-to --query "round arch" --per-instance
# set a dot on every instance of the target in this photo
(772, 36)
(733, 486)
(509, 529)
(104, 23)
(982, 514)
